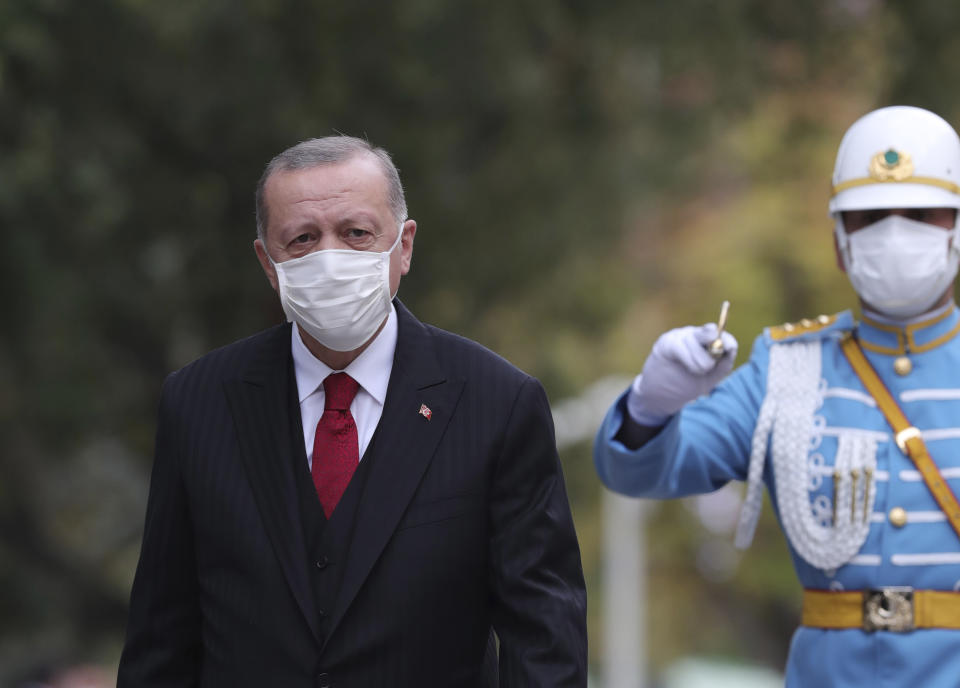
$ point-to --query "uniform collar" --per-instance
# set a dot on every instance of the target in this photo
(371, 369)
(923, 333)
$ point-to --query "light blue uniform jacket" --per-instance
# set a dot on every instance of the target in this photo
(708, 443)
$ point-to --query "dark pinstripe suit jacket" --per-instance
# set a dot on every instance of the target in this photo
(463, 525)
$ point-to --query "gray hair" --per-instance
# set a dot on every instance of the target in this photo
(330, 150)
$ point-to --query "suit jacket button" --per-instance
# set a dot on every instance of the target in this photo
(323, 680)
(322, 563)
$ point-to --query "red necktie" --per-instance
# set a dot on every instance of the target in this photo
(335, 448)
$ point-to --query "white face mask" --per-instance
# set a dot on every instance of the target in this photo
(899, 266)
(340, 297)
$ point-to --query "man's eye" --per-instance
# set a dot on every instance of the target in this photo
(359, 237)
(918, 215)
(301, 239)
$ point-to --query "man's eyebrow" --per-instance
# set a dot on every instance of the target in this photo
(297, 226)
(357, 218)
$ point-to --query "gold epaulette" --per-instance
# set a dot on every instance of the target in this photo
(789, 330)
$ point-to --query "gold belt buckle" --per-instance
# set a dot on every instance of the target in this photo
(888, 609)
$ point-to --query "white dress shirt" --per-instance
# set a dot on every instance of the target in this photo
(371, 369)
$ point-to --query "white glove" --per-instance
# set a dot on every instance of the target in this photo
(678, 370)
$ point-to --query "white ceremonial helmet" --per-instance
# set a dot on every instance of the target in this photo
(897, 157)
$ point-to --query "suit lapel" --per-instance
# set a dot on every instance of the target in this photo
(260, 403)
(403, 445)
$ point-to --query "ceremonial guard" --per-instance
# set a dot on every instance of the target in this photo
(852, 425)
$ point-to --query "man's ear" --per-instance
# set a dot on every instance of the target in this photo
(406, 245)
(265, 263)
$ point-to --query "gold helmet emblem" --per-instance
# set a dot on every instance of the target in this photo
(891, 166)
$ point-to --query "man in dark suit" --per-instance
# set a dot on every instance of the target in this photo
(360, 499)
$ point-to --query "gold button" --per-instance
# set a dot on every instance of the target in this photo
(898, 517)
(806, 322)
(788, 327)
(823, 319)
(902, 366)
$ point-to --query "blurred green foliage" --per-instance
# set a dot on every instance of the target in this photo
(584, 175)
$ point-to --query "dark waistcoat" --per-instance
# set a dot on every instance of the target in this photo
(327, 542)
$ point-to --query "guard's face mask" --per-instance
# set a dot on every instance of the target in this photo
(898, 266)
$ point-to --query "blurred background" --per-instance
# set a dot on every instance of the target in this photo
(584, 175)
